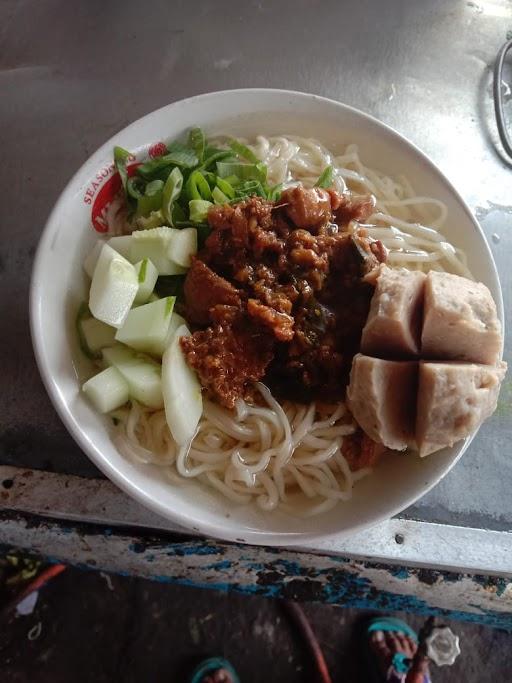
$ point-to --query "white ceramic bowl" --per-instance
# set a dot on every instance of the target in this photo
(58, 286)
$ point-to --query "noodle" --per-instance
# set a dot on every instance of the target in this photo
(398, 209)
(289, 456)
(292, 454)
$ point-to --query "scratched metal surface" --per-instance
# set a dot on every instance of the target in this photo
(72, 74)
(270, 572)
(399, 542)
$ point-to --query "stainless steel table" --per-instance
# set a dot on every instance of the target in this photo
(72, 74)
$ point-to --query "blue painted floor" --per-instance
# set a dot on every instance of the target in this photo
(89, 627)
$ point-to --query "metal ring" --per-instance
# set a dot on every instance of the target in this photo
(505, 138)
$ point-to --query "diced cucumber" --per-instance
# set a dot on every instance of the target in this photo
(96, 334)
(147, 327)
(83, 313)
(176, 322)
(142, 374)
(107, 391)
(152, 297)
(113, 288)
(182, 391)
(154, 244)
(148, 275)
(183, 246)
(92, 258)
(121, 244)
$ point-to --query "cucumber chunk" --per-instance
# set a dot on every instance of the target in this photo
(96, 334)
(154, 244)
(114, 287)
(182, 391)
(121, 244)
(176, 321)
(183, 246)
(147, 327)
(107, 390)
(141, 373)
(147, 275)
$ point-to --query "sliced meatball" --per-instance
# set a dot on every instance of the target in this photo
(460, 320)
(382, 398)
(393, 327)
(307, 207)
(453, 401)
(204, 289)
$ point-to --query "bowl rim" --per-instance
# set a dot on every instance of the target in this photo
(126, 484)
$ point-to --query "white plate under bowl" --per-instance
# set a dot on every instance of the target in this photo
(58, 286)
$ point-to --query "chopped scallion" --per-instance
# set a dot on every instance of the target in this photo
(178, 155)
(197, 186)
(209, 161)
(198, 209)
(135, 187)
(273, 193)
(243, 151)
(226, 188)
(197, 141)
(171, 192)
(154, 187)
(152, 198)
(121, 157)
(326, 178)
(219, 197)
(242, 171)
